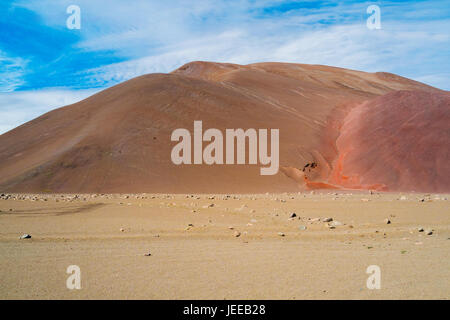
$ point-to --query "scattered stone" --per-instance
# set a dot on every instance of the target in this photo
(25, 236)
(302, 228)
(148, 254)
(281, 234)
(293, 215)
(122, 229)
(336, 223)
(237, 234)
(420, 229)
(428, 232)
(387, 221)
(327, 219)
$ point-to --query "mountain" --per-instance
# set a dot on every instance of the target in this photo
(338, 128)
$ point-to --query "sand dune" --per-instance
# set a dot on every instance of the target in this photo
(119, 139)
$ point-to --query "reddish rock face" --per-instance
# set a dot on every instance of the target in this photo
(119, 139)
(397, 142)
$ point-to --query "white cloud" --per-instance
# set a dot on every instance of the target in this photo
(158, 36)
(439, 80)
(408, 53)
(12, 70)
(19, 107)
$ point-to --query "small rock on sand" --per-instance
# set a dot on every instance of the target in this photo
(25, 236)
(336, 223)
(387, 221)
(281, 234)
(302, 228)
(237, 234)
(327, 219)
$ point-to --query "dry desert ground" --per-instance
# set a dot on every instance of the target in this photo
(258, 246)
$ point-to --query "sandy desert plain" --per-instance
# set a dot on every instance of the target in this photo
(166, 246)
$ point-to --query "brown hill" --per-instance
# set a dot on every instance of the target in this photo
(119, 139)
(399, 141)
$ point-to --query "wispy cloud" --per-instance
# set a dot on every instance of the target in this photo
(119, 41)
(409, 53)
(12, 71)
(21, 106)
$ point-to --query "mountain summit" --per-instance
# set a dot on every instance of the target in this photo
(338, 128)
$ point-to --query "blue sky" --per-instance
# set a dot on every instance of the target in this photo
(44, 65)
